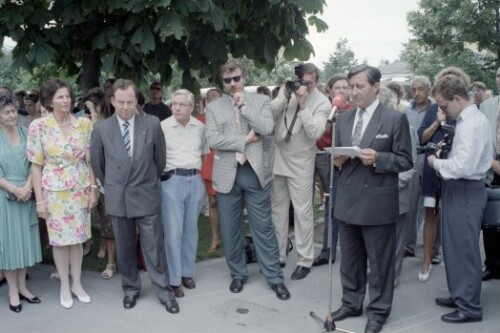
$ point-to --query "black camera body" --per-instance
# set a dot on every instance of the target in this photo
(292, 86)
(443, 147)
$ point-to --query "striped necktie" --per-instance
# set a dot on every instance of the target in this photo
(358, 131)
(240, 157)
(126, 138)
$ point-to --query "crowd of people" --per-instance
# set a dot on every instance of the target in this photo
(147, 169)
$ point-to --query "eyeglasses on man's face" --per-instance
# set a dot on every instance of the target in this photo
(227, 80)
(444, 107)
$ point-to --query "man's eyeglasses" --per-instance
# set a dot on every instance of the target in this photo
(156, 88)
(182, 105)
(227, 80)
(444, 107)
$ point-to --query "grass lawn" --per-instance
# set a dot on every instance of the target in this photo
(92, 263)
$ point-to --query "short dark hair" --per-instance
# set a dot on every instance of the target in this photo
(373, 73)
(96, 96)
(232, 65)
(263, 90)
(309, 68)
(395, 88)
(478, 85)
(155, 83)
(334, 78)
(449, 86)
(32, 96)
(141, 100)
(49, 89)
(123, 84)
(110, 80)
(20, 93)
(6, 98)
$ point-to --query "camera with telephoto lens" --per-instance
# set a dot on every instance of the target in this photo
(443, 147)
(292, 86)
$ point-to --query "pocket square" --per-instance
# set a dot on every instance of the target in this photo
(381, 136)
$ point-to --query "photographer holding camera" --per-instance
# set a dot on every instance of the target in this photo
(300, 112)
(464, 198)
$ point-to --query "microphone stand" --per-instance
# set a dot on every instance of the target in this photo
(329, 324)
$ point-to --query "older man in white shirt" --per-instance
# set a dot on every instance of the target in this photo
(182, 189)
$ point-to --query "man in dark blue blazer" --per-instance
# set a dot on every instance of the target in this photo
(367, 197)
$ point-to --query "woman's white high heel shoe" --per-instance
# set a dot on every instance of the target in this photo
(424, 277)
(66, 304)
(82, 298)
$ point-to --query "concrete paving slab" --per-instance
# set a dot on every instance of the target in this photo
(211, 307)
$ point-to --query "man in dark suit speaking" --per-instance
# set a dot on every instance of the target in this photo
(128, 155)
(367, 197)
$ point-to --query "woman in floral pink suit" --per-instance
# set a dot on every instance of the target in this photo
(63, 182)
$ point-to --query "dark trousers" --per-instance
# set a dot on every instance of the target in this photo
(258, 202)
(323, 169)
(151, 236)
(463, 204)
(377, 244)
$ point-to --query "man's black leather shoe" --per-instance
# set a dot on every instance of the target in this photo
(373, 326)
(446, 302)
(129, 301)
(344, 312)
(435, 259)
(320, 261)
(300, 272)
(172, 306)
(236, 286)
(488, 275)
(188, 282)
(457, 317)
(178, 291)
(281, 291)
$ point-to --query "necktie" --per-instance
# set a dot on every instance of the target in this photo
(126, 138)
(358, 131)
(240, 157)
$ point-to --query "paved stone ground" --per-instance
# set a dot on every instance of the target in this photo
(212, 308)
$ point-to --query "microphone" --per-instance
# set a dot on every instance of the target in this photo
(338, 102)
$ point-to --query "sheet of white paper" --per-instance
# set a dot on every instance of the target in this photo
(344, 151)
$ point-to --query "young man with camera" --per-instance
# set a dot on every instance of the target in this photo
(464, 198)
(300, 112)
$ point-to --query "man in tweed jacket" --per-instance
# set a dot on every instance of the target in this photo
(236, 123)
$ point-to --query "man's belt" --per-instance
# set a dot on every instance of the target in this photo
(179, 172)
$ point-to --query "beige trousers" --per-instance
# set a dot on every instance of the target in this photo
(300, 192)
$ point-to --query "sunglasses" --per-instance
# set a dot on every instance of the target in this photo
(227, 80)
(155, 88)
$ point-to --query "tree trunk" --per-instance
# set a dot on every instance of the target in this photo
(91, 70)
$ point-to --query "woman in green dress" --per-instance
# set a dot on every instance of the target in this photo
(19, 236)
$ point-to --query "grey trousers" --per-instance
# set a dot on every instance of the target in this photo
(376, 245)
(151, 236)
(463, 205)
(258, 202)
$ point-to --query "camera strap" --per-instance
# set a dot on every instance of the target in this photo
(289, 129)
